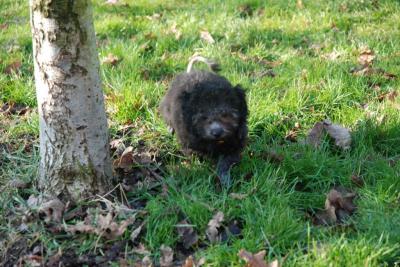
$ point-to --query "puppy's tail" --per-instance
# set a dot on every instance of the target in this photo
(214, 66)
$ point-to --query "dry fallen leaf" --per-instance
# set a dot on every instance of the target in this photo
(342, 198)
(206, 36)
(338, 207)
(109, 228)
(190, 262)
(13, 67)
(110, 60)
(332, 56)
(317, 47)
(146, 262)
(155, 16)
(388, 75)
(245, 10)
(291, 135)
(135, 233)
(340, 134)
(30, 260)
(81, 228)
(357, 180)
(141, 249)
(3, 26)
(256, 260)
(368, 70)
(53, 210)
(362, 70)
(392, 95)
(104, 226)
(265, 73)
(14, 109)
(212, 227)
(366, 57)
(268, 63)
(126, 160)
(18, 184)
(118, 145)
(32, 201)
(54, 260)
(176, 31)
(314, 136)
(167, 256)
(187, 235)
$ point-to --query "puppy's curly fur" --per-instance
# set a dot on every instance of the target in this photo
(208, 115)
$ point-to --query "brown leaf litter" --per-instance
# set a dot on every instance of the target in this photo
(105, 226)
(187, 235)
(338, 133)
(366, 59)
(245, 10)
(110, 59)
(134, 156)
(206, 36)
(339, 207)
(213, 226)
(357, 180)
(167, 256)
(314, 136)
(292, 134)
(175, 31)
(13, 67)
(14, 109)
(191, 262)
(53, 210)
(256, 260)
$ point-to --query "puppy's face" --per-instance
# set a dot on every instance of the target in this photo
(216, 125)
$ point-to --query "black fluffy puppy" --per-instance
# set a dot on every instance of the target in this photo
(208, 115)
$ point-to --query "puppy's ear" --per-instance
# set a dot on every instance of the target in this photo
(241, 97)
(239, 91)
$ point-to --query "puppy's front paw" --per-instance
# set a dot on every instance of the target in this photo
(224, 165)
(225, 179)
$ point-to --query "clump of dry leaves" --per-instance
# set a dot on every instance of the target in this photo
(103, 225)
(187, 235)
(13, 67)
(366, 59)
(256, 260)
(175, 31)
(212, 232)
(338, 133)
(14, 109)
(338, 207)
(207, 37)
(110, 59)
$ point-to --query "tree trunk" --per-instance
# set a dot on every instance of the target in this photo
(74, 150)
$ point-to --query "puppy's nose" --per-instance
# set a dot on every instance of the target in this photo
(217, 132)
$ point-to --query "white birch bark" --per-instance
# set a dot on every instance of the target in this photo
(74, 150)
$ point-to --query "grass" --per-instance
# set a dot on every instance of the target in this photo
(307, 88)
